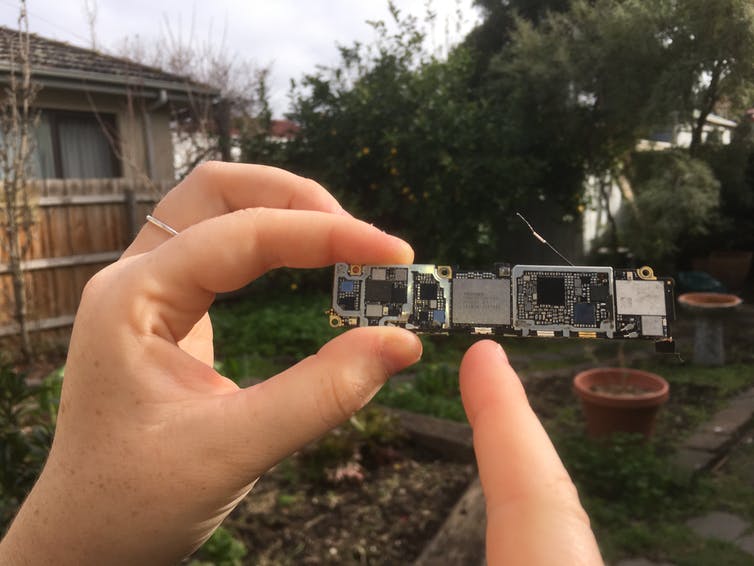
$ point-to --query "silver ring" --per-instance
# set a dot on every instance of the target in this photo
(160, 224)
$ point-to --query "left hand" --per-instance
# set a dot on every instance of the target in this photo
(153, 448)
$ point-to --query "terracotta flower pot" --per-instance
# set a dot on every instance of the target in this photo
(620, 400)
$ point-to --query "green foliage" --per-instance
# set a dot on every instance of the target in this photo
(363, 439)
(711, 46)
(583, 85)
(433, 391)
(624, 476)
(26, 430)
(268, 331)
(399, 136)
(222, 549)
(733, 165)
(676, 197)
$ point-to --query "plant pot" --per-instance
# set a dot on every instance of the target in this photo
(620, 400)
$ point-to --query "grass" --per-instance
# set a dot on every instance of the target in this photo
(637, 502)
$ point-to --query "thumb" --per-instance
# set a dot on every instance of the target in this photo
(533, 511)
(280, 415)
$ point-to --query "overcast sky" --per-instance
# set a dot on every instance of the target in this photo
(291, 35)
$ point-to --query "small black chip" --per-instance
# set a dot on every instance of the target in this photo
(551, 291)
(584, 314)
(599, 293)
(399, 294)
(428, 291)
(378, 291)
(347, 303)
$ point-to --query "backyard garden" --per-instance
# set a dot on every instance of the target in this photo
(365, 479)
(443, 148)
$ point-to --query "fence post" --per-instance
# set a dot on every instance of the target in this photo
(132, 223)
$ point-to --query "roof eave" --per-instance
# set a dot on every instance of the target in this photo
(112, 84)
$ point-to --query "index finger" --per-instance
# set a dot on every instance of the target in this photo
(227, 252)
(533, 511)
(216, 188)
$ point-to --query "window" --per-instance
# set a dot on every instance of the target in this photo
(75, 145)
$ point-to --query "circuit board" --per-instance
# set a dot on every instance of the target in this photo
(520, 300)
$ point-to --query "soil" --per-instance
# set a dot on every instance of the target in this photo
(621, 390)
(385, 514)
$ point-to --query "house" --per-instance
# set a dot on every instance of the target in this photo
(102, 157)
(102, 116)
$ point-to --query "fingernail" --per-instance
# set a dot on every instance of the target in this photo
(496, 349)
(501, 353)
(400, 349)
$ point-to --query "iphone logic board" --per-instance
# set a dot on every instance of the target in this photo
(519, 300)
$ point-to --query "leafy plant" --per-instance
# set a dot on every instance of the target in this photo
(624, 476)
(222, 549)
(433, 391)
(366, 439)
(668, 181)
(26, 430)
(266, 332)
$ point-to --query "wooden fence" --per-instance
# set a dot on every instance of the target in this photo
(81, 226)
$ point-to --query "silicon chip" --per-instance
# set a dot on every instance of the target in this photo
(399, 294)
(346, 286)
(551, 291)
(348, 303)
(481, 301)
(379, 291)
(584, 314)
(427, 291)
(599, 293)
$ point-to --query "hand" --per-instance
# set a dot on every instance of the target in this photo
(533, 512)
(153, 448)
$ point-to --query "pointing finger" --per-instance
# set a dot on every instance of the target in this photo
(533, 511)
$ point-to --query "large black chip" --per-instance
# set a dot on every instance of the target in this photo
(378, 291)
(384, 292)
(428, 291)
(551, 291)
(399, 294)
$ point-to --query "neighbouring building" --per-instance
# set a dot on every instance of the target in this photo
(102, 116)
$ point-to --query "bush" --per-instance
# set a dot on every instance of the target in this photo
(676, 198)
(27, 423)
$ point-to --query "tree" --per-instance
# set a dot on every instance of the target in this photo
(676, 198)
(582, 86)
(203, 127)
(17, 120)
(711, 45)
(397, 134)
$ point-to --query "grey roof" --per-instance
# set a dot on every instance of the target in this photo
(64, 62)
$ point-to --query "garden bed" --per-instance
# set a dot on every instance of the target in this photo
(349, 499)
